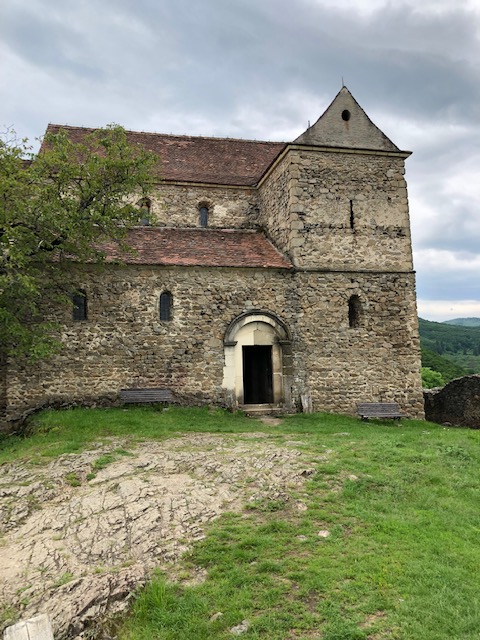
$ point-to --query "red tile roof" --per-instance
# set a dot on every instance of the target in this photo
(198, 247)
(225, 161)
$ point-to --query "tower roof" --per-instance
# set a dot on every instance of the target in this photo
(345, 124)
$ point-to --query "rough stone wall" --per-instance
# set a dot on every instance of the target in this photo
(275, 205)
(345, 211)
(176, 205)
(378, 361)
(3, 386)
(457, 403)
(124, 344)
(356, 131)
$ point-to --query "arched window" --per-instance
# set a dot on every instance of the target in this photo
(354, 312)
(79, 300)
(145, 206)
(203, 215)
(166, 301)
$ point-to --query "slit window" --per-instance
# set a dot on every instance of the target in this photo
(354, 312)
(79, 301)
(203, 216)
(166, 306)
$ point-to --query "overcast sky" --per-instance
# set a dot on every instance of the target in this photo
(262, 69)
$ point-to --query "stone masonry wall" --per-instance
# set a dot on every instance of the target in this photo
(124, 344)
(378, 361)
(340, 211)
(178, 206)
(3, 386)
(456, 403)
(275, 210)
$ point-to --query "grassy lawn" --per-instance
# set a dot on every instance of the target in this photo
(400, 503)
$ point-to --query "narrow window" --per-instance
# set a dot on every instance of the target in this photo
(354, 312)
(203, 216)
(145, 206)
(166, 306)
(79, 301)
(352, 217)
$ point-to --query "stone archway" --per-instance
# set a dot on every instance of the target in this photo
(258, 360)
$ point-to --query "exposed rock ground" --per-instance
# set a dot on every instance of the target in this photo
(78, 552)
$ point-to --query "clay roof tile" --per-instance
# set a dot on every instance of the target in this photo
(227, 161)
(197, 247)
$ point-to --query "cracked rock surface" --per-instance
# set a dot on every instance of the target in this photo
(79, 552)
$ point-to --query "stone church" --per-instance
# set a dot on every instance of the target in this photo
(273, 273)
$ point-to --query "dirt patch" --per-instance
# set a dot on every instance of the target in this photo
(271, 421)
(78, 552)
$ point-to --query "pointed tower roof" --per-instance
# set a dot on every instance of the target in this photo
(345, 124)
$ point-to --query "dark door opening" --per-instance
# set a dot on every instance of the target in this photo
(257, 375)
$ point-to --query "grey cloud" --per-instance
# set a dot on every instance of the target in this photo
(261, 69)
(448, 285)
(45, 41)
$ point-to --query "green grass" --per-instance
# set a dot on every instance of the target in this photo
(72, 479)
(400, 503)
(53, 433)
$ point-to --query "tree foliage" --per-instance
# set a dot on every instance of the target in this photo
(449, 339)
(460, 345)
(448, 369)
(431, 379)
(57, 207)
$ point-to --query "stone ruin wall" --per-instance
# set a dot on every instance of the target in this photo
(123, 343)
(457, 403)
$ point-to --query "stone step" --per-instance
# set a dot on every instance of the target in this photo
(262, 409)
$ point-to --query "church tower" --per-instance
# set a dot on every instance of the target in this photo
(336, 203)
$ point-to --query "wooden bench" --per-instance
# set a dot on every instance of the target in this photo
(379, 410)
(141, 396)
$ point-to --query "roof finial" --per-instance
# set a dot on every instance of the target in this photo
(343, 83)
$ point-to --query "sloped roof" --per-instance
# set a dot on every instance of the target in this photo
(168, 246)
(227, 161)
(345, 124)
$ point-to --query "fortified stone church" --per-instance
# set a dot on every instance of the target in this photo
(272, 272)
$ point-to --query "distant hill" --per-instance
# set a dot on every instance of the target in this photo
(458, 344)
(449, 369)
(464, 322)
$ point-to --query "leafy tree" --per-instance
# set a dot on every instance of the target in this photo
(431, 378)
(459, 344)
(57, 207)
(448, 369)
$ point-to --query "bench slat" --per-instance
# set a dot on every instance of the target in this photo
(379, 410)
(146, 395)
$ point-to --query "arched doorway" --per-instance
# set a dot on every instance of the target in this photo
(258, 360)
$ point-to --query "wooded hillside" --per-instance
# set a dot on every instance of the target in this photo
(454, 350)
